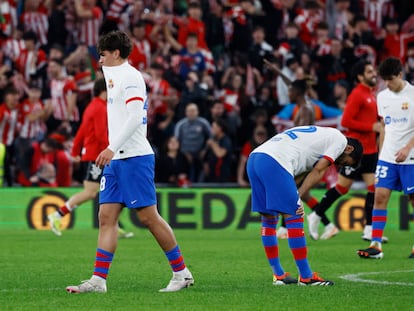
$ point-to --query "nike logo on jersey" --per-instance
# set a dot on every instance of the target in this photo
(134, 201)
(410, 188)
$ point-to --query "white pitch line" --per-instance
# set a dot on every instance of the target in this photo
(357, 277)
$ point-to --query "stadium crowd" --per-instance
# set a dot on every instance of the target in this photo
(203, 62)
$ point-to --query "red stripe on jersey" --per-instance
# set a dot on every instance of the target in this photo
(134, 98)
(329, 159)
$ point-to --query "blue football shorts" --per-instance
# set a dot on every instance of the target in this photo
(399, 177)
(273, 187)
(129, 181)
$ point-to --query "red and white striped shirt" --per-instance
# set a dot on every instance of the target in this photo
(12, 48)
(38, 22)
(9, 17)
(115, 9)
(140, 56)
(375, 11)
(89, 27)
(59, 90)
(8, 124)
(24, 62)
(30, 128)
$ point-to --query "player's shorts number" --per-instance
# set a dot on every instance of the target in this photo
(102, 184)
(381, 171)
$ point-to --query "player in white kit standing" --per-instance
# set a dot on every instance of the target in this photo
(128, 161)
(395, 167)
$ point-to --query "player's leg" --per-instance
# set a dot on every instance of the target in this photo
(107, 243)
(297, 244)
(165, 237)
(342, 187)
(388, 178)
(92, 175)
(369, 180)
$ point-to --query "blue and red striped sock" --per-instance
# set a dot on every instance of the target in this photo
(176, 259)
(297, 244)
(102, 263)
(270, 244)
(379, 219)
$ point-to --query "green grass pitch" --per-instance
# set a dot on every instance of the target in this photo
(229, 267)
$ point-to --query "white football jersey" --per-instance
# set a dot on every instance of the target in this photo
(124, 84)
(397, 111)
(298, 149)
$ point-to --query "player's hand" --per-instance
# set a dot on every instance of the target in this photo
(300, 211)
(104, 157)
(402, 154)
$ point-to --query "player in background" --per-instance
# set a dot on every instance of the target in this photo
(272, 168)
(360, 118)
(90, 139)
(128, 161)
(395, 168)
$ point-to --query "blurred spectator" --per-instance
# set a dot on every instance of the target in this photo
(218, 158)
(215, 37)
(259, 49)
(9, 116)
(242, 26)
(89, 17)
(61, 158)
(34, 169)
(62, 99)
(191, 57)
(409, 64)
(57, 32)
(337, 17)
(376, 12)
(192, 23)
(395, 42)
(288, 73)
(140, 56)
(360, 38)
(35, 18)
(162, 101)
(330, 65)
(9, 18)
(260, 135)
(192, 93)
(305, 113)
(31, 61)
(192, 133)
(341, 91)
(290, 43)
(31, 122)
(172, 165)
(307, 19)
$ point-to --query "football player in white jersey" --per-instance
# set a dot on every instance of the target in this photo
(128, 161)
(272, 168)
(395, 167)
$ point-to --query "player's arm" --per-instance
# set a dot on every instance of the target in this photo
(315, 175)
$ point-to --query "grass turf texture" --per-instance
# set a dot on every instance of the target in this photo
(229, 267)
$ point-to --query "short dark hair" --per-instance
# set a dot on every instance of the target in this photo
(300, 86)
(222, 124)
(115, 40)
(99, 87)
(390, 67)
(356, 154)
(359, 68)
